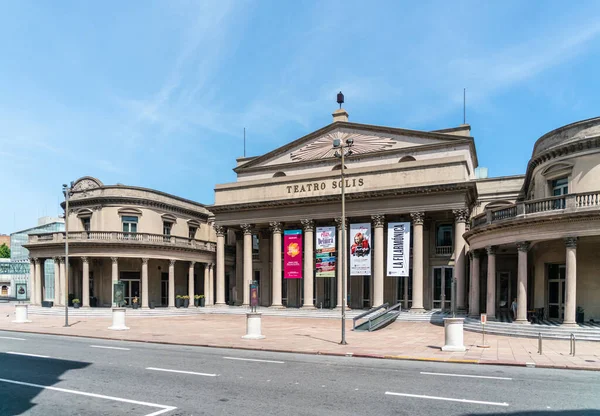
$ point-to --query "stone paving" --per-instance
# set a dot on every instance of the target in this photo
(401, 340)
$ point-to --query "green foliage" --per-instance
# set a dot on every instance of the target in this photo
(76, 301)
(4, 251)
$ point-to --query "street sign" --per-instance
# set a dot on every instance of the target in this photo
(483, 319)
(21, 291)
(119, 293)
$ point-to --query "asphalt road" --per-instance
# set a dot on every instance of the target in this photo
(79, 376)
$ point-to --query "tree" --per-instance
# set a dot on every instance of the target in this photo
(4, 251)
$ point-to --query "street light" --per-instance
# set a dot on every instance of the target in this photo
(342, 151)
(67, 193)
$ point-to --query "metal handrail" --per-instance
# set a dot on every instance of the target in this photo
(362, 315)
(391, 308)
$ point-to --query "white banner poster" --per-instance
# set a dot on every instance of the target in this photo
(398, 252)
(325, 259)
(360, 249)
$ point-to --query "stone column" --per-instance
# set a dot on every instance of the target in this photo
(378, 266)
(39, 293)
(247, 229)
(221, 265)
(32, 279)
(491, 283)
(56, 281)
(114, 277)
(191, 282)
(145, 300)
(571, 282)
(276, 286)
(63, 281)
(475, 278)
(522, 249)
(460, 216)
(206, 284)
(341, 273)
(172, 283)
(309, 271)
(239, 268)
(417, 272)
(85, 284)
(211, 283)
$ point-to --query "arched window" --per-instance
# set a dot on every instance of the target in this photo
(407, 159)
(339, 167)
(279, 174)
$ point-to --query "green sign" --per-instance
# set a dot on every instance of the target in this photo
(21, 291)
(119, 293)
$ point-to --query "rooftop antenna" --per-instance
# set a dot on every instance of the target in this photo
(340, 99)
(464, 106)
(244, 141)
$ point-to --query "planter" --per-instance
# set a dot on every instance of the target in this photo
(178, 302)
(152, 304)
(202, 302)
(76, 305)
(93, 301)
(579, 317)
(47, 304)
(135, 305)
(186, 303)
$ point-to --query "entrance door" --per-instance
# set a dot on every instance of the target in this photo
(132, 290)
(442, 287)
(164, 289)
(503, 290)
(556, 291)
(328, 289)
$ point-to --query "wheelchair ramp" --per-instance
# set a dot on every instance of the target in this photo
(380, 321)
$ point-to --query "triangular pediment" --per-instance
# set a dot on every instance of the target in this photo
(367, 140)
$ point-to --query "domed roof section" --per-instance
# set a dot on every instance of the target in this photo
(86, 183)
(570, 133)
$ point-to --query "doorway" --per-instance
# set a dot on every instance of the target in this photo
(442, 287)
(503, 291)
(328, 290)
(164, 289)
(132, 286)
(556, 291)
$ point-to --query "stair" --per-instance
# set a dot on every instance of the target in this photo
(552, 330)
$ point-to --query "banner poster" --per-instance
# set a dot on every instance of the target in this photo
(325, 262)
(360, 249)
(398, 249)
(292, 256)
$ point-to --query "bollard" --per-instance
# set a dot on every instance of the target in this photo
(572, 345)
(21, 314)
(540, 343)
(118, 320)
(253, 326)
(453, 331)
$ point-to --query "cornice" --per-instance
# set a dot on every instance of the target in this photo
(106, 244)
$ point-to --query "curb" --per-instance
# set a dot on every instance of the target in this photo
(324, 353)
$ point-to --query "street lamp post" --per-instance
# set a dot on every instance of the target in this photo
(343, 150)
(67, 192)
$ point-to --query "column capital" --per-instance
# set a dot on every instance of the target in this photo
(523, 246)
(84, 259)
(35, 260)
(491, 250)
(571, 242)
(461, 215)
(172, 262)
(338, 221)
(475, 254)
(192, 263)
(308, 225)
(145, 260)
(418, 217)
(246, 228)
(62, 260)
(56, 259)
(378, 220)
(275, 227)
(115, 260)
(219, 229)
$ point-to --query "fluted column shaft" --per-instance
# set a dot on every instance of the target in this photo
(417, 254)
(32, 289)
(522, 283)
(63, 282)
(461, 216)
(191, 282)
(57, 297)
(276, 286)
(571, 282)
(38, 282)
(171, 283)
(206, 285)
(247, 262)
(308, 275)
(85, 285)
(475, 278)
(211, 282)
(378, 247)
(145, 303)
(114, 277)
(221, 265)
(491, 283)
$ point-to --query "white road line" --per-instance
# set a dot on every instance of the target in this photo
(109, 348)
(181, 372)
(465, 375)
(16, 339)
(253, 359)
(27, 355)
(164, 408)
(419, 396)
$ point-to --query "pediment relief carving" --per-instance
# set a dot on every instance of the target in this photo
(322, 148)
(558, 169)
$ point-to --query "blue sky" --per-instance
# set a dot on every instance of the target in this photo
(156, 94)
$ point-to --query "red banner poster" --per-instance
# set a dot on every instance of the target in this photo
(292, 256)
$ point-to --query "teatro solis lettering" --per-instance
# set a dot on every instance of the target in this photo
(321, 186)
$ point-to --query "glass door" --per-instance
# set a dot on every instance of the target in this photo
(503, 290)
(556, 291)
(442, 287)
(132, 290)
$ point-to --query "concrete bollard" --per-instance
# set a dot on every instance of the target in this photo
(118, 320)
(453, 330)
(253, 326)
(21, 314)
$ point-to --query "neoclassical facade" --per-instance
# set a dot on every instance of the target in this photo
(159, 245)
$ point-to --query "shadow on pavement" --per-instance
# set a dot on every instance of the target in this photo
(15, 399)
(582, 412)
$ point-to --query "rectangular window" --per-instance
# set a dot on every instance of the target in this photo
(86, 223)
(192, 233)
(129, 224)
(167, 228)
(560, 187)
(443, 236)
(255, 246)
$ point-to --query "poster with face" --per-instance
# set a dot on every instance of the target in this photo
(325, 261)
(292, 256)
(360, 249)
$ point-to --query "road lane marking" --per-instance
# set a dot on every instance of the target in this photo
(181, 372)
(254, 359)
(164, 408)
(465, 375)
(110, 348)
(27, 355)
(420, 396)
(16, 339)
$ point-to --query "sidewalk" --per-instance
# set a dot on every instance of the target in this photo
(401, 340)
